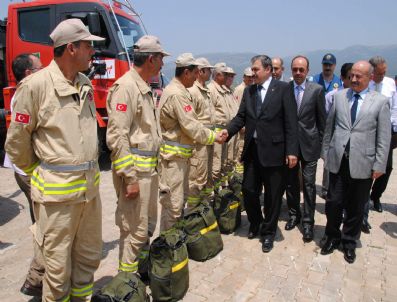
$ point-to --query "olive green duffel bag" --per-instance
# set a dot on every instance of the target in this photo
(124, 287)
(204, 240)
(168, 266)
(227, 211)
(236, 185)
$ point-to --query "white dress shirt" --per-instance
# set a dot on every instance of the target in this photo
(388, 88)
(265, 87)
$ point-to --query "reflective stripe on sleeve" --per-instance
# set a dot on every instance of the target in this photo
(123, 162)
(211, 138)
(31, 168)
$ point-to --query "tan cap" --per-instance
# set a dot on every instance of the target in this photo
(229, 70)
(204, 63)
(71, 30)
(220, 67)
(248, 72)
(149, 44)
(186, 59)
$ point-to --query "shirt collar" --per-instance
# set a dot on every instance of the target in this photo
(266, 84)
(303, 85)
(362, 93)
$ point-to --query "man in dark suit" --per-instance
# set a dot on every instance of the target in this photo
(270, 143)
(355, 149)
(310, 101)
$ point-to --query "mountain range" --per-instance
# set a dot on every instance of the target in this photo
(239, 61)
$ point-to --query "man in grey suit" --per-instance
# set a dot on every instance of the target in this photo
(310, 100)
(355, 149)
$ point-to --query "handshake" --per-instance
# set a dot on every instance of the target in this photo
(221, 136)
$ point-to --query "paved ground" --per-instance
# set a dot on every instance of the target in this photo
(293, 271)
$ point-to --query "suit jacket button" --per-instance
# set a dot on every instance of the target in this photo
(344, 146)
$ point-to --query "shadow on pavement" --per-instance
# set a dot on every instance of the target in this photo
(390, 228)
(102, 282)
(9, 208)
(108, 246)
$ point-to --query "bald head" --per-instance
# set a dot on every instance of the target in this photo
(278, 67)
(361, 75)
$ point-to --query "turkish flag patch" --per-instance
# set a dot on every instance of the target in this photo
(121, 107)
(187, 108)
(22, 118)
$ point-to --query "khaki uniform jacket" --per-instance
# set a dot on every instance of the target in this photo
(201, 98)
(54, 123)
(222, 111)
(133, 133)
(231, 101)
(238, 92)
(179, 124)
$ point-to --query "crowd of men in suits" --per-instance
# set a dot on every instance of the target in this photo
(346, 121)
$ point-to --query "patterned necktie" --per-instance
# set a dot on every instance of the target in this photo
(299, 96)
(353, 109)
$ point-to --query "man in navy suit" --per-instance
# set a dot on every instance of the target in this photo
(270, 144)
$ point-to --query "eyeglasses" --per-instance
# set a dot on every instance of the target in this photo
(296, 69)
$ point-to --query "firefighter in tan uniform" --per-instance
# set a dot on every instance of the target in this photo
(201, 185)
(222, 118)
(232, 105)
(53, 137)
(134, 137)
(181, 130)
(248, 79)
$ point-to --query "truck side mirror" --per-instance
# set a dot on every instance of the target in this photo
(94, 24)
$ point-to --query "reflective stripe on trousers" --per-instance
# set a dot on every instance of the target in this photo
(60, 188)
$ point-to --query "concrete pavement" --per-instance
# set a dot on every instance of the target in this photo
(292, 271)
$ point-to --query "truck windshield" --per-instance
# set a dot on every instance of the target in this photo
(130, 31)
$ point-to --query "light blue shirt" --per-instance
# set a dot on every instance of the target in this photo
(362, 94)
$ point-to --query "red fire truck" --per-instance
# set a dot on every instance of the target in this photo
(27, 29)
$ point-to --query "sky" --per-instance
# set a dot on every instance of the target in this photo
(280, 27)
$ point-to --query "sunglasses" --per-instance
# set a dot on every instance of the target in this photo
(301, 69)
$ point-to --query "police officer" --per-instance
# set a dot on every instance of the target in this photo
(180, 128)
(201, 185)
(53, 137)
(134, 137)
(327, 78)
(222, 118)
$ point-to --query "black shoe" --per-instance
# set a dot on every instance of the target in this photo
(307, 233)
(291, 223)
(365, 227)
(253, 232)
(329, 246)
(31, 290)
(267, 245)
(349, 255)
(377, 205)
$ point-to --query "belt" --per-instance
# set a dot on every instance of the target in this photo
(143, 152)
(89, 165)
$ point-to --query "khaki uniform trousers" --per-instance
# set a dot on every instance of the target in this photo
(174, 185)
(219, 165)
(239, 151)
(136, 218)
(200, 175)
(231, 156)
(69, 237)
(36, 269)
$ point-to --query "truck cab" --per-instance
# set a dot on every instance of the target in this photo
(27, 29)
